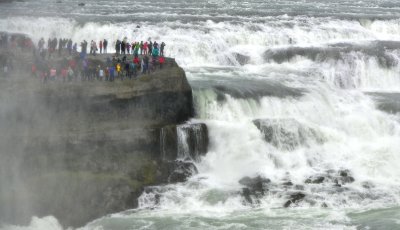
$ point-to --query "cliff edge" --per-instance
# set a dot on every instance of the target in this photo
(80, 150)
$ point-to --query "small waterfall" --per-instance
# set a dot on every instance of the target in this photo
(192, 141)
(185, 142)
(287, 134)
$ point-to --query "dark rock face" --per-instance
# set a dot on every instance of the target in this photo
(287, 134)
(180, 171)
(81, 150)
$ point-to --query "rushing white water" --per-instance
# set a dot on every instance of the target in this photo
(309, 76)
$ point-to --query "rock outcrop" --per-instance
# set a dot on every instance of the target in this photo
(81, 150)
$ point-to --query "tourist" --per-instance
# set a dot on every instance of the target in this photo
(59, 46)
(127, 72)
(132, 69)
(105, 43)
(146, 64)
(141, 47)
(6, 70)
(33, 70)
(123, 47)
(118, 68)
(107, 73)
(128, 47)
(41, 45)
(145, 47)
(53, 74)
(101, 73)
(112, 73)
(64, 74)
(117, 46)
(101, 46)
(150, 48)
(136, 60)
(70, 73)
(137, 47)
(69, 46)
(75, 48)
(155, 51)
(161, 61)
(162, 49)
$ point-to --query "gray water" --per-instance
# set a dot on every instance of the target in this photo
(325, 72)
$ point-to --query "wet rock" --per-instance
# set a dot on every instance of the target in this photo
(81, 4)
(336, 184)
(169, 143)
(181, 170)
(189, 140)
(256, 185)
(299, 187)
(288, 183)
(287, 134)
(247, 195)
(324, 205)
(294, 199)
(344, 173)
(367, 185)
(255, 188)
(345, 177)
(241, 59)
(315, 180)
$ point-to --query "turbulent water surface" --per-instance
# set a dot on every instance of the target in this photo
(320, 77)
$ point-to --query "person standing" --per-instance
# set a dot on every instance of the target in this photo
(101, 46)
(111, 71)
(150, 48)
(117, 46)
(162, 49)
(105, 43)
(123, 47)
(146, 64)
(5, 70)
(145, 47)
(161, 61)
(69, 46)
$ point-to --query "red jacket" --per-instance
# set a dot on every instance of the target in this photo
(136, 60)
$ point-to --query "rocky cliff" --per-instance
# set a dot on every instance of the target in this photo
(81, 150)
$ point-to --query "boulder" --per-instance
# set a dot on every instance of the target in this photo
(181, 171)
(294, 199)
(315, 180)
(256, 185)
(241, 59)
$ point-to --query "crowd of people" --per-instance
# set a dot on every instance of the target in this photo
(146, 58)
(129, 60)
(12, 42)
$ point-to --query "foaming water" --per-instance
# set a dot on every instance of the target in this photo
(282, 89)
